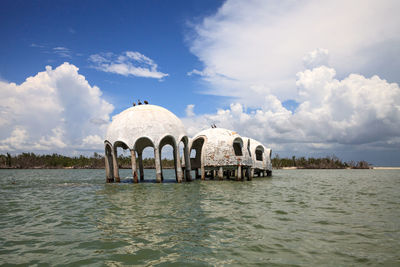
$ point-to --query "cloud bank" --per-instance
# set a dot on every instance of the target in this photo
(128, 64)
(253, 48)
(56, 110)
(327, 57)
(355, 111)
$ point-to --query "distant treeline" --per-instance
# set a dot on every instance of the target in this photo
(96, 161)
(331, 162)
(56, 161)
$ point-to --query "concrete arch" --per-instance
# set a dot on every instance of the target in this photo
(124, 146)
(167, 140)
(143, 142)
(198, 162)
(170, 140)
(138, 147)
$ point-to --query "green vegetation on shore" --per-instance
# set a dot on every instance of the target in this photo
(56, 161)
(331, 162)
(96, 161)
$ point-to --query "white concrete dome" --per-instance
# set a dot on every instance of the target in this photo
(259, 153)
(221, 147)
(149, 122)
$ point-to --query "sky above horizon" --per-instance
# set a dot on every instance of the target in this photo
(306, 78)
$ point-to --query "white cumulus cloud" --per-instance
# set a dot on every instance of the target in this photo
(332, 114)
(56, 110)
(253, 48)
(337, 61)
(128, 64)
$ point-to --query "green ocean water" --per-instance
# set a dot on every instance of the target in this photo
(295, 218)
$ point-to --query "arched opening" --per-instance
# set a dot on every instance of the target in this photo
(183, 148)
(259, 153)
(237, 146)
(123, 158)
(144, 148)
(196, 160)
(168, 145)
(108, 162)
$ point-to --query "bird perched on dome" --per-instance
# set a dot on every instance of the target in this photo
(138, 102)
(146, 102)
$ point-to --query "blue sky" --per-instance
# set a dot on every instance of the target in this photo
(303, 77)
(157, 29)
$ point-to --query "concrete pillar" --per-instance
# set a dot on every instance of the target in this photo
(162, 176)
(213, 174)
(175, 164)
(115, 165)
(141, 166)
(251, 173)
(134, 170)
(220, 173)
(158, 165)
(109, 174)
(203, 173)
(248, 174)
(239, 173)
(178, 166)
(186, 154)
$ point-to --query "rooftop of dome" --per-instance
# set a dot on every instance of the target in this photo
(150, 121)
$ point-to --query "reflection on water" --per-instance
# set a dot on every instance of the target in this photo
(297, 217)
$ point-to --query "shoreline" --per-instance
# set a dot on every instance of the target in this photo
(152, 168)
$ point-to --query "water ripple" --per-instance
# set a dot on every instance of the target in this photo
(296, 218)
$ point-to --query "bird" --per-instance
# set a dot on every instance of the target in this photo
(138, 102)
(146, 102)
(134, 104)
(215, 126)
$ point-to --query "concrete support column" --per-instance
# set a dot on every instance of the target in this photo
(162, 176)
(251, 173)
(239, 173)
(158, 165)
(203, 173)
(109, 174)
(115, 165)
(141, 166)
(178, 166)
(248, 174)
(220, 173)
(213, 174)
(186, 154)
(134, 170)
(175, 164)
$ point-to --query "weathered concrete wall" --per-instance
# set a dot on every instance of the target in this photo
(218, 148)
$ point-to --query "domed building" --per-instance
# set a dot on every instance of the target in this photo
(261, 158)
(144, 126)
(222, 151)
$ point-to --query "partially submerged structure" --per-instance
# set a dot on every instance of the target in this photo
(216, 152)
(144, 126)
(261, 158)
(220, 151)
